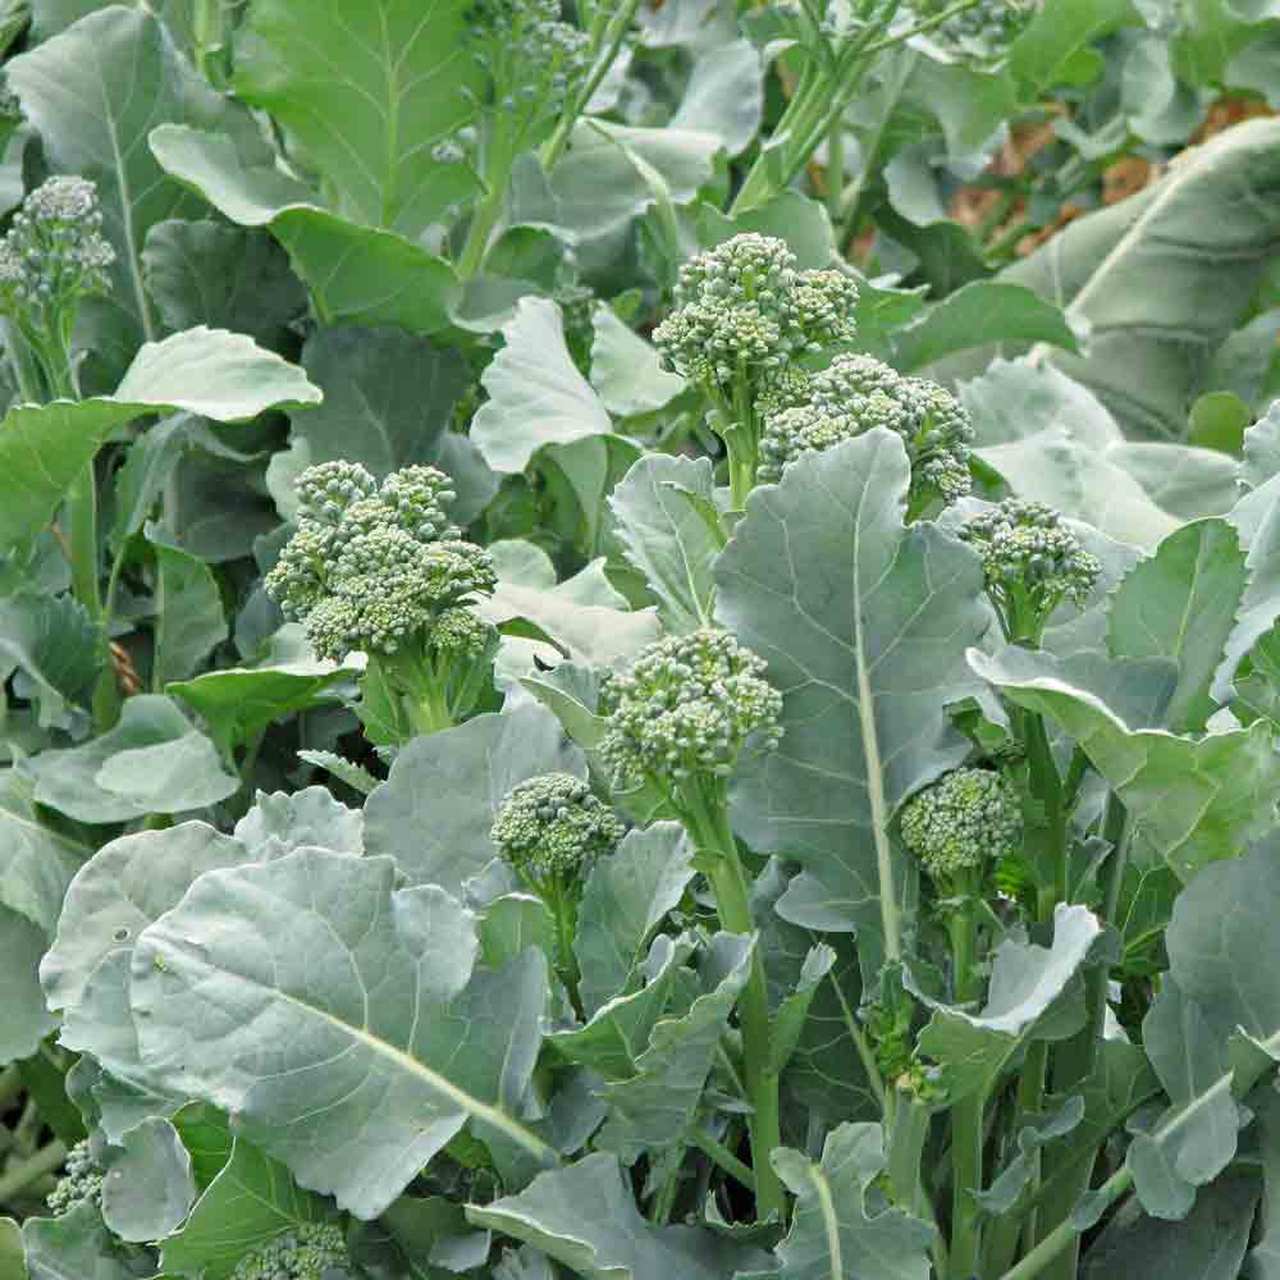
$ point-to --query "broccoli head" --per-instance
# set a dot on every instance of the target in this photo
(963, 822)
(685, 711)
(382, 570)
(53, 255)
(553, 827)
(743, 315)
(1031, 562)
(981, 34)
(305, 1252)
(858, 392)
(81, 1180)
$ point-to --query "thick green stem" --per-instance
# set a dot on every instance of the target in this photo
(429, 712)
(563, 908)
(20, 1176)
(722, 1156)
(714, 838)
(605, 52)
(966, 1115)
(1074, 1061)
(1062, 1236)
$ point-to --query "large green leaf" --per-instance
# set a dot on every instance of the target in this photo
(1192, 799)
(283, 821)
(74, 1245)
(190, 622)
(1181, 604)
(1028, 982)
(625, 369)
(26, 1020)
(584, 616)
(585, 1217)
(94, 92)
(388, 397)
(864, 623)
(252, 1199)
(1163, 277)
(375, 1061)
(653, 1109)
(57, 648)
(625, 898)
(237, 278)
(366, 92)
(669, 529)
(1209, 1244)
(835, 1234)
(149, 1187)
(357, 274)
(1215, 1027)
(982, 313)
(153, 761)
(37, 862)
(435, 811)
(129, 883)
(209, 372)
(536, 394)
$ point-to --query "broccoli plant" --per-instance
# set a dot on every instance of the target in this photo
(679, 720)
(1031, 562)
(855, 393)
(743, 317)
(80, 1183)
(552, 829)
(380, 569)
(310, 1251)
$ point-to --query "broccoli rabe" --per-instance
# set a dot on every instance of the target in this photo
(1031, 562)
(380, 569)
(305, 1252)
(967, 821)
(81, 1180)
(744, 314)
(858, 392)
(551, 829)
(53, 255)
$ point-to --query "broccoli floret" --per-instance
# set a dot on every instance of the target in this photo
(980, 35)
(81, 1180)
(380, 569)
(858, 392)
(1031, 562)
(305, 1252)
(967, 820)
(744, 314)
(682, 715)
(535, 60)
(53, 255)
(552, 828)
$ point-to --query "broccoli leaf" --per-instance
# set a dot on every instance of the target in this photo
(399, 1043)
(864, 623)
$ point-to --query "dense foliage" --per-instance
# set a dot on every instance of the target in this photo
(641, 639)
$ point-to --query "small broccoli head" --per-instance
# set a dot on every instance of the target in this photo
(856, 393)
(304, 1252)
(541, 61)
(54, 252)
(1031, 562)
(980, 35)
(81, 1180)
(373, 568)
(686, 710)
(962, 823)
(743, 311)
(552, 828)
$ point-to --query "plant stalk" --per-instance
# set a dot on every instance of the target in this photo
(20, 1176)
(966, 1115)
(712, 834)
